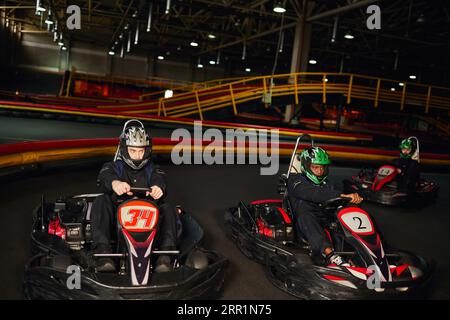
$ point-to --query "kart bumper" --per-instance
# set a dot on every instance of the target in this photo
(42, 282)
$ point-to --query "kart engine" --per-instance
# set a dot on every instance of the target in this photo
(68, 222)
(273, 222)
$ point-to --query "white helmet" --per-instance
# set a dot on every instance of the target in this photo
(134, 135)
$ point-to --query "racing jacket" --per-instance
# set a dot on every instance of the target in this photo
(119, 170)
(406, 164)
(410, 174)
(305, 195)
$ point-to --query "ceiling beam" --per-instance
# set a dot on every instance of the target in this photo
(334, 12)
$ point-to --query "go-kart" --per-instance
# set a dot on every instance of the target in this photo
(381, 186)
(62, 247)
(265, 230)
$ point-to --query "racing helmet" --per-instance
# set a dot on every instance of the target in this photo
(134, 135)
(314, 155)
(407, 144)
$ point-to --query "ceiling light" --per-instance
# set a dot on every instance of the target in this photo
(111, 53)
(392, 89)
(349, 36)
(248, 69)
(421, 19)
(199, 66)
(212, 62)
(194, 43)
(160, 57)
(60, 43)
(63, 48)
(211, 36)
(312, 61)
(401, 84)
(168, 94)
(412, 77)
(279, 8)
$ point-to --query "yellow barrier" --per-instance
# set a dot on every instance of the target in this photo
(352, 86)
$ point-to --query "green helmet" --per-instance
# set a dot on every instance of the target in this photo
(314, 155)
(406, 144)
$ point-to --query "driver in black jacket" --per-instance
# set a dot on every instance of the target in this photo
(131, 168)
(408, 166)
(307, 188)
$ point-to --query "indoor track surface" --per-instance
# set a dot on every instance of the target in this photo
(206, 191)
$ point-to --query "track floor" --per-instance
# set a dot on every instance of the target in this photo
(206, 191)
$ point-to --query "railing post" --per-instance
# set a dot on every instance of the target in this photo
(427, 106)
(296, 88)
(402, 105)
(377, 94)
(198, 105)
(232, 100)
(264, 86)
(69, 82)
(265, 94)
(163, 107)
(159, 107)
(349, 93)
(324, 88)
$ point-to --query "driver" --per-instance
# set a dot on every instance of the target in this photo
(131, 167)
(307, 189)
(408, 167)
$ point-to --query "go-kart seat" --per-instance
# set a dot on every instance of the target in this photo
(287, 207)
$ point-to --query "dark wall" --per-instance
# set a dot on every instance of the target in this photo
(39, 52)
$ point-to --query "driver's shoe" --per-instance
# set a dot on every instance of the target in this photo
(336, 259)
(104, 264)
(163, 264)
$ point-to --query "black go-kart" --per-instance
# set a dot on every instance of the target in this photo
(63, 265)
(382, 186)
(265, 231)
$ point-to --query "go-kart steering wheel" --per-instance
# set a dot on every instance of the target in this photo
(137, 192)
(334, 203)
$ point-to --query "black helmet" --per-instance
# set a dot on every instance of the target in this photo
(134, 135)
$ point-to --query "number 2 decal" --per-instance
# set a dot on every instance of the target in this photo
(356, 220)
(360, 227)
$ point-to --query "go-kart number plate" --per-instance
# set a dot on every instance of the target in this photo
(138, 218)
(357, 222)
(385, 171)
